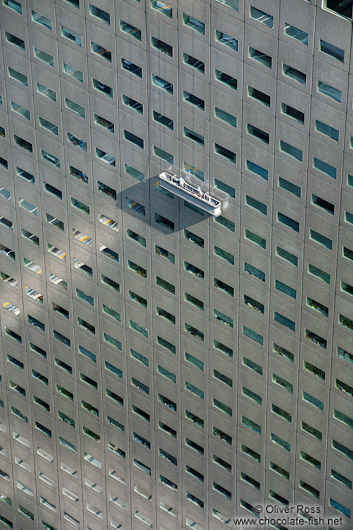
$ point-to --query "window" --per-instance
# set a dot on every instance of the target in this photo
(167, 345)
(102, 87)
(137, 298)
(110, 223)
(225, 153)
(219, 284)
(329, 91)
(194, 136)
(327, 130)
(233, 4)
(51, 127)
(130, 137)
(282, 413)
(16, 41)
(162, 46)
(289, 186)
(47, 92)
(290, 150)
(343, 418)
(284, 321)
(194, 100)
(163, 120)
(259, 96)
(131, 67)
(51, 158)
(291, 72)
(110, 283)
(332, 51)
(26, 512)
(313, 400)
(194, 63)
(342, 449)
(164, 155)
(44, 56)
(254, 238)
(320, 308)
(340, 508)
(21, 110)
(261, 16)
(73, 72)
(314, 370)
(136, 268)
(130, 30)
(194, 390)
(227, 40)
(132, 104)
(199, 335)
(319, 273)
(105, 157)
(285, 220)
(254, 483)
(163, 8)
(260, 57)
(27, 146)
(279, 441)
(163, 221)
(258, 133)
(18, 76)
(194, 301)
(222, 436)
(165, 314)
(8, 279)
(343, 9)
(101, 51)
(31, 208)
(109, 253)
(192, 269)
(226, 79)
(99, 13)
(291, 112)
(139, 328)
(7, 223)
(164, 254)
(226, 117)
(344, 387)
(12, 4)
(41, 19)
(254, 304)
(253, 335)
(312, 431)
(61, 338)
(257, 205)
(165, 285)
(139, 357)
(84, 208)
(286, 289)
(134, 205)
(296, 33)
(75, 107)
(194, 23)
(102, 122)
(52, 190)
(321, 239)
(310, 460)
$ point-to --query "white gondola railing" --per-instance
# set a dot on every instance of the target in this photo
(190, 192)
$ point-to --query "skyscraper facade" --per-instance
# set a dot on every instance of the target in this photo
(163, 368)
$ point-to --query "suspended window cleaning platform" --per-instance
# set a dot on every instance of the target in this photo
(186, 189)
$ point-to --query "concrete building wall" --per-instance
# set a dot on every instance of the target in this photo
(162, 368)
